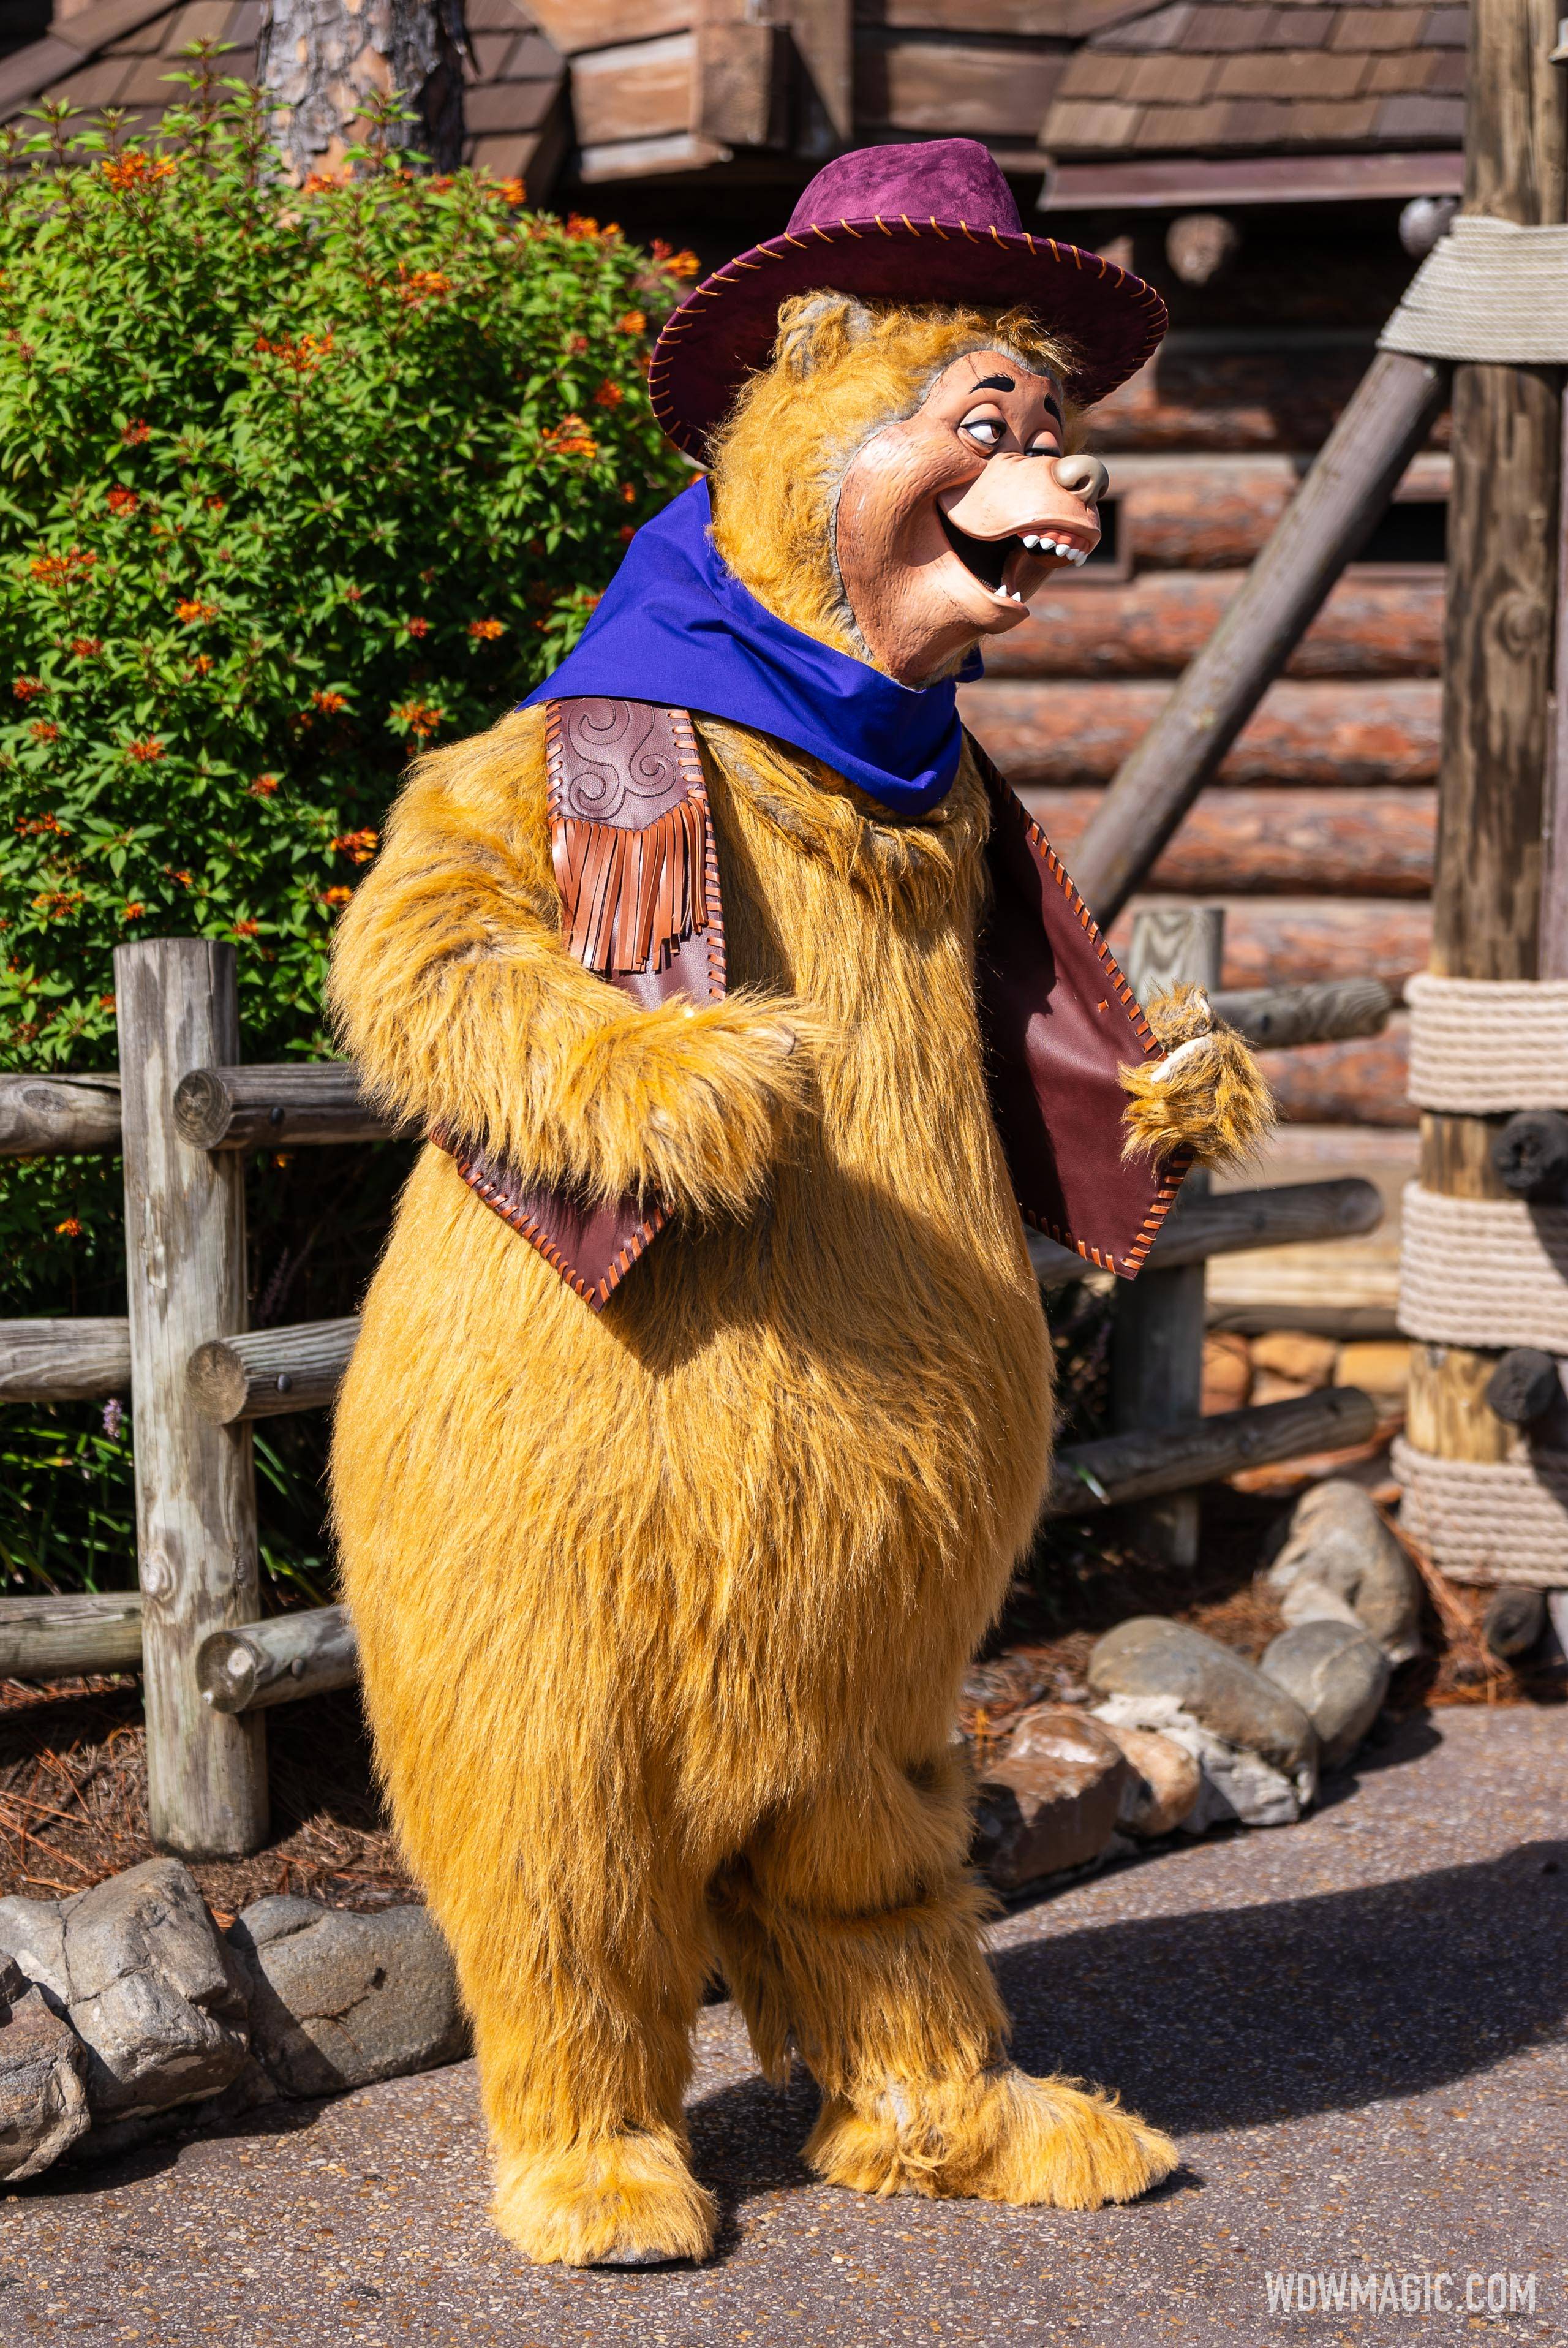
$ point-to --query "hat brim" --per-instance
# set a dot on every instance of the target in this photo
(725, 328)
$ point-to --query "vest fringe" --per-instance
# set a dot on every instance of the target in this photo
(629, 897)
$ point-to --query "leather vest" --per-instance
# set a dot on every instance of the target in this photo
(637, 866)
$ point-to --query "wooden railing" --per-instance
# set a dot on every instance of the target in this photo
(183, 1110)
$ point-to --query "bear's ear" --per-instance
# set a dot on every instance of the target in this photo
(815, 329)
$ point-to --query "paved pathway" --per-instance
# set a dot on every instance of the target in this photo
(1353, 2026)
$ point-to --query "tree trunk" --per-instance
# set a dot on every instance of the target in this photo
(328, 61)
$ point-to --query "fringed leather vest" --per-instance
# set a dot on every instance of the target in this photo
(637, 867)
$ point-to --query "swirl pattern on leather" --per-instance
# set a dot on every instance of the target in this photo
(618, 762)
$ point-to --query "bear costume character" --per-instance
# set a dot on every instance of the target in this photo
(702, 1405)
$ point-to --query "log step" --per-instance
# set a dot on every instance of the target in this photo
(64, 1361)
(1371, 626)
(1285, 941)
(262, 1663)
(1228, 1222)
(1064, 735)
(50, 1636)
(1295, 842)
(1090, 1477)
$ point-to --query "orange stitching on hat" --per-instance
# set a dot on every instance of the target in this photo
(941, 233)
(996, 233)
(852, 231)
(818, 229)
(795, 240)
(909, 223)
(974, 239)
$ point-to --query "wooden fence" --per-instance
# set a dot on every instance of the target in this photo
(182, 1111)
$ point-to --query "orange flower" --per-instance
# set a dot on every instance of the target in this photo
(417, 627)
(302, 354)
(419, 716)
(42, 730)
(633, 323)
(329, 704)
(132, 911)
(28, 688)
(422, 285)
(62, 570)
(628, 532)
(176, 873)
(337, 896)
(123, 502)
(134, 433)
(56, 904)
(317, 183)
(192, 609)
(359, 846)
(571, 437)
(86, 647)
(512, 191)
(201, 664)
(125, 173)
(485, 632)
(244, 929)
(609, 395)
(575, 345)
(30, 827)
(70, 1229)
(629, 493)
(264, 787)
(147, 751)
(579, 224)
(106, 1003)
(673, 264)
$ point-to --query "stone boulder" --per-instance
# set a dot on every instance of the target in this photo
(1163, 1782)
(43, 2092)
(339, 2000)
(1049, 1800)
(147, 1982)
(1340, 1563)
(1149, 1655)
(1339, 1678)
(1235, 1785)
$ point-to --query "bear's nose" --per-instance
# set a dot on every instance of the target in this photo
(1086, 476)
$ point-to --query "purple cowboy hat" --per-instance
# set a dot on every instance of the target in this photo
(855, 230)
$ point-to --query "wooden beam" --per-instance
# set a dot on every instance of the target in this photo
(1271, 1017)
(39, 1114)
(46, 1636)
(1504, 525)
(824, 37)
(267, 1106)
(195, 1489)
(1362, 1081)
(1148, 1463)
(1231, 1223)
(1293, 940)
(1295, 843)
(270, 1370)
(257, 1664)
(1348, 488)
(64, 1361)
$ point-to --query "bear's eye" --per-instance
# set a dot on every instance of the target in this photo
(987, 432)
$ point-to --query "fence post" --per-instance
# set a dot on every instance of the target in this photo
(177, 1009)
(1157, 1344)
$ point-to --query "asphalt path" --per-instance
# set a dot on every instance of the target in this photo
(1354, 2027)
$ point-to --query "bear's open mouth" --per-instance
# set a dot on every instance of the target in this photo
(986, 557)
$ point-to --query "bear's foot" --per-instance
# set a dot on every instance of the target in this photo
(625, 2201)
(1002, 2136)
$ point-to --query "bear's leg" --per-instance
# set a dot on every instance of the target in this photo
(581, 1956)
(849, 1932)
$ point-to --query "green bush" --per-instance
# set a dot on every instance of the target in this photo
(292, 484)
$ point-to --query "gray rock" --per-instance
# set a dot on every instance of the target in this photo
(1151, 1656)
(148, 1986)
(1163, 1783)
(43, 2094)
(1338, 1677)
(1341, 1563)
(1049, 1800)
(1235, 1785)
(339, 2000)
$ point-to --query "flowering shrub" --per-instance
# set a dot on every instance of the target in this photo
(295, 483)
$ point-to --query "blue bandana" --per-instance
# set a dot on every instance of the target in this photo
(677, 626)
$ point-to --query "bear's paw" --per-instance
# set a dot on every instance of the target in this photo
(625, 2201)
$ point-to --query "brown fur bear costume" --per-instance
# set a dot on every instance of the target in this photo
(662, 1608)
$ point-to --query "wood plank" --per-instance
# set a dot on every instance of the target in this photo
(38, 1114)
(58, 1635)
(195, 1491)
(270, 1370)
(1324, 527)
(1090, 1477)
(257, 1664)
(823, 34)
(1284, 940)
(1373, 625)
(1216, 1223)
(1330, 1012)
(952, 87)
(64, 1361)
(264, 1105)
(1362, 1082)
(1342, 844)
(1227, 401)
(574, 25)
(1065, 734)
(1060, 20)
(641, 90)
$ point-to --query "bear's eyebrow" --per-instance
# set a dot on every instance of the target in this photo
(995, 383)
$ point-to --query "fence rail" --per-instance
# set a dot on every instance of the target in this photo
(185, 1113)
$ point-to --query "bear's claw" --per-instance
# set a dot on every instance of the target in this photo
(1002, 2137)
(625, 2201)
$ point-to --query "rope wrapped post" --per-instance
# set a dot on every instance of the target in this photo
(1157, 1342)
(1486, 1501)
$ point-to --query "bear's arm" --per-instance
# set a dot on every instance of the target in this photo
(452, 989)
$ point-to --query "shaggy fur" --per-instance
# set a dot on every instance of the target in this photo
(843, 370)
(1209, 1094)
(661, 1611)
